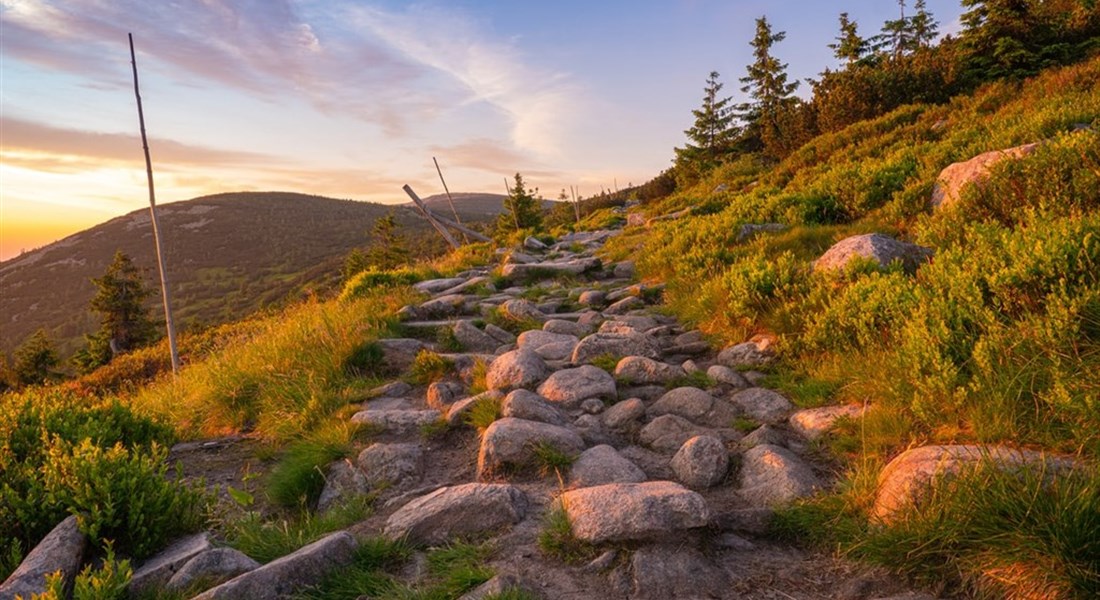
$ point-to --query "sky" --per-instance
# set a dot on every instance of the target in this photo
(353, 98)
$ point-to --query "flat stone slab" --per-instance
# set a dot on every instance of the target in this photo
(510, 442)
(159, 569)
(61, 550)
(459, 510)
(601, 465)
(813, 423)
(283, 576)
(396, 421)
(763, 405)
(633, 511)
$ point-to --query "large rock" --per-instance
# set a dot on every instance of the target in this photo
(642, 370)
(522, 404)
(701, 462)
(396, 421)
(545, 270)
(520, 368)
(601, 465)
(955, 177)
(624, 415)
(522, 310)
(876, 247)
(211, 567)
(342, 479)
(624, 306)
(565, 327)
(537, 338)
(773, 475)
(513, 442)
(694, 405)
(569, 387)
(748, 354)
(633, 511)
(434, 286)
(617, 345)
(461, 409)
(813, 423)
(161, 567)
(444, 306)
(397, 465)
(727, 376)
(763, 405)
(398, 354)
(455, 511)
(473, 339)
(61, 550)
(442, 394)
(676, 573)
(283, 576)
(907, 479)
(668, 432)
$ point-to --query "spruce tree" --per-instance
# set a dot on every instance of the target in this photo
(922, 27)
(521, 208)
(771, 105)
(35, 359)
(125, 326)
(849, 46)
(893, 39)
(713, 132)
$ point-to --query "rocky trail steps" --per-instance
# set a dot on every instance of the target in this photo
(668, 467)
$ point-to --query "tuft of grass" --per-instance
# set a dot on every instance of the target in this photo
(557, 540)
(267, 539)
(447, 341)
(511, 324)
(435, 429)
(364, 360)
(483, 413)
(698, 379)
(478, 374)
(745, 424)
(803, 390)
(607, 362)
(298, 478)
(551, 460)
(367, 576)
(429, 367)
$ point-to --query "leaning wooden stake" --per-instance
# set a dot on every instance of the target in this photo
(449, 199)
(431, 217)
(153, 217)
(576, 204)
(511, 203)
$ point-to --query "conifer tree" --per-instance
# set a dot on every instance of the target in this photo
(125, 326)
(849, 46)
(521, 208)
(766, 84)
(922, 27)
(893, 39)
(712, 133)
(35, 359)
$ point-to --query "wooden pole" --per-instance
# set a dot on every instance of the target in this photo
(431, 218)
(164, 288)
(511, 204)
(449, 199)
(576, 204)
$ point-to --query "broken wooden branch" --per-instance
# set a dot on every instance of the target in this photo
(431, 217)
(449, 199)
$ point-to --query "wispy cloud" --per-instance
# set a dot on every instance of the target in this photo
(489, 155)
(491, 70)
(343, 58)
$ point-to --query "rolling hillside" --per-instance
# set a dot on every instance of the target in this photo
(228, 255)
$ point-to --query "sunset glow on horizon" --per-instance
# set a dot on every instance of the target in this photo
(353, 98)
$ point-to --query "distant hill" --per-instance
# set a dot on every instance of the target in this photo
(228, 255)
(474, 204)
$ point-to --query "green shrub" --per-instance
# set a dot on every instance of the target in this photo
(366, 281)
(121, 494)
(607, 362)
(365, 360)
(483, 413)
(557, 540)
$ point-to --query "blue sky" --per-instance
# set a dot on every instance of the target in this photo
(352, 98)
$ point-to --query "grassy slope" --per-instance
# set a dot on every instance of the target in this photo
(996, 340)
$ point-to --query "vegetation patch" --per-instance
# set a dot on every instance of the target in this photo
(265, 539)
(299, 477)
(429, 367)
(557, 540)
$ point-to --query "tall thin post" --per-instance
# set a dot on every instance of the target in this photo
(153, 217)
(449, 200)
(576, 204)
(511, 204)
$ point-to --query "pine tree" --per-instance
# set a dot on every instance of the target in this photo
(922, 27)
(766, 83)
(713, 132)
(849, 46)
(893, 39)
(35, 359)
(125, 326)
(521, 208)
(388, 249)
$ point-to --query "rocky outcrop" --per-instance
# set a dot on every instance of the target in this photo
(617, 345)
(875, 247)
(905, 481)
(773, 475)
(695, 405)
(454, 511)
(569, 387)
(633, 511)
(762, 405)
(601, 465)
(702, 462)
(813, 423)
(512, 442)
(520, 368)
(957, 176)
(282, 577)
(211, 567)
(62, 550)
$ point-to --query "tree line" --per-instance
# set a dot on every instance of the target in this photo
(903, 63)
